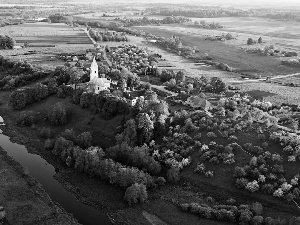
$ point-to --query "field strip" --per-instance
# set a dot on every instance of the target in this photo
(264, 79)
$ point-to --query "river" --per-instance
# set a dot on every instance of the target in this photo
(43, 172)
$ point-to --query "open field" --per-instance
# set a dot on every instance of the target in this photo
(65, 39)
(176, 62)
(229, 52)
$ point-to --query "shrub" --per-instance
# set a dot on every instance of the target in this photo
(173, 175)
(136, 193)
(57, 114)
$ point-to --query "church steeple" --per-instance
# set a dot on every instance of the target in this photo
(94, 69)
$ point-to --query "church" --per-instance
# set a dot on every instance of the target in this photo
(96, 83)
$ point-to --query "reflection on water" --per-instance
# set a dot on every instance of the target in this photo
(43, 172)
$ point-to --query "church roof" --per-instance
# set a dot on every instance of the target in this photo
(100, 81)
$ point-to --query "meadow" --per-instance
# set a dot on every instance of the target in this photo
(285, 36)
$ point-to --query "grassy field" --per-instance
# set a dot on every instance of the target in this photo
(65, 39)
(229, 52)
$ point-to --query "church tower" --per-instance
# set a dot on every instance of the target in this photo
(94, 70)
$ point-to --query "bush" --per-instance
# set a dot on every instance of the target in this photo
(57, 114)
(136, 193)
(173, 175)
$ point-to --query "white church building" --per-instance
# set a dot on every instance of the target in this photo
(97, 84)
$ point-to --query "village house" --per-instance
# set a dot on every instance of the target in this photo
(133, 96)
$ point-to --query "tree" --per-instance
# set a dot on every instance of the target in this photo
(136, 193)
(7, 42)
(146, 126)
(259, 41)
(180, 77)
(250, 41)
(57, 114)
(84, 140)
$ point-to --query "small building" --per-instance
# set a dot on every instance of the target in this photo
(198, 102)
(133, 96)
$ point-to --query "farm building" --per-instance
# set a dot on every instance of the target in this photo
(198, 102)
(133, 96)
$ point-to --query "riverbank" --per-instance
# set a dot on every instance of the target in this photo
(24, 200)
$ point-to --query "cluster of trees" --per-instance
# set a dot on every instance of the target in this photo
(204, 24)
(93, 161)
(134, 156)
(59, 18)
(146, 21)
(28, 95)
(57, 114)
(243, 214)
(6, 42)
(215, 84)
(101, 36)
(199, 12)
(19, 73)
(25, 96)
(250, 41)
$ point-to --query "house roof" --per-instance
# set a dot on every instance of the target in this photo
(134, 94)
(197, 101)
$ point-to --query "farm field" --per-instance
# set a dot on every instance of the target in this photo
(283, 94)
(177, 62)
(229, 52)
(40, 37)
